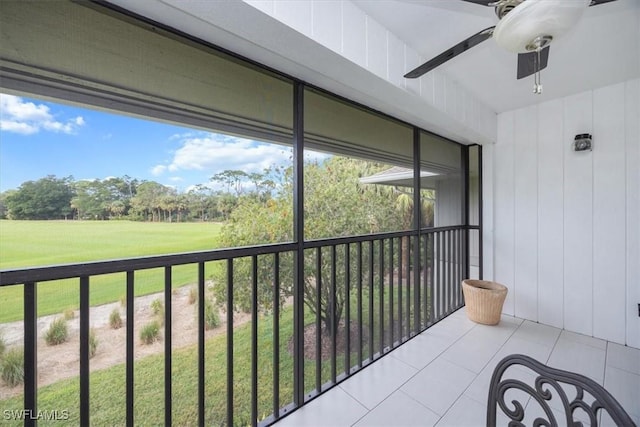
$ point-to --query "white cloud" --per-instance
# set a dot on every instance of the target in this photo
(27, 118)
(214, 153)
(158, 170)
(176, 179)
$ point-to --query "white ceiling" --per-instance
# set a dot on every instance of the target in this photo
(602, 49)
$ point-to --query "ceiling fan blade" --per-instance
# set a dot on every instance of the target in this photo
(597, 2)
(526, 62)
(485, 2)
(450, 53)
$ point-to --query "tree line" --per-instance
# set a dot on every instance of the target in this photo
(51, 198)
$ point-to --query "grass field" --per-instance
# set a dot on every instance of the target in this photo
(39, 243)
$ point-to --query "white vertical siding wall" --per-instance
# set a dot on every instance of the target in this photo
(525, 213)
(578, 216)
(562, 227)
(551, 213)
(504, 206)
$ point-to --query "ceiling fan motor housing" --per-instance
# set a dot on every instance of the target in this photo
(529, 20)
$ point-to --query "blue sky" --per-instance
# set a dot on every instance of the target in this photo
(39, 138)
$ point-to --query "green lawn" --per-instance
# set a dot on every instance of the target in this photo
(38, 243)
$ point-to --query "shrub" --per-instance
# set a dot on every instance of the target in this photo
(123, 301)
(13, 367)
(211, 316)
(115, 321)
(93, 343)
(57, 332)
(193, 295)
(158, 307)
(69, 314)
(150, 332)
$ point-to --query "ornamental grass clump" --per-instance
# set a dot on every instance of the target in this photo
(115, 321)
(150, 332)
(12, 367)
(58, 332)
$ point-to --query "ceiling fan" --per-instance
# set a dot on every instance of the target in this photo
(525, 27)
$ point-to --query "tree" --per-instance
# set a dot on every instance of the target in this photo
(201, 202)
(335, 204)
(92, 200)
(148, 199)
(4, 210)
(46, 198)
(233, 179)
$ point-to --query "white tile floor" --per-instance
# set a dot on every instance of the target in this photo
(441, 377)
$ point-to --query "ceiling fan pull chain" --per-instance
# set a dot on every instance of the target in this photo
(537, 77)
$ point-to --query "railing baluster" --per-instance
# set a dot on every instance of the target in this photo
(460, 258)
(381, 297)
(464, 267)
(447, 270)
(360, 316)
(456, 265)
(440, 283)
(318, 320)
(400, 286)
(30, 301)
(254, 340)
(334, 327)
(130, 347)
(347, 313)
(276, 335)
(230, 342)
(84, 351)
(167, 347)
(431, 277)
(443, 270)
(425, 281)
(452, 267)
(407, 279)
(451, 270)
(443, 284)
(201, 342)
(392, 323)
(416, 284)
(371, 332)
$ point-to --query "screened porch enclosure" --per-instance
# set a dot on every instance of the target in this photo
(323, 304)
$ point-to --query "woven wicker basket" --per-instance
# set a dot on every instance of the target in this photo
(484, 300)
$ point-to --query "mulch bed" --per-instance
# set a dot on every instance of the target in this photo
(326, 341)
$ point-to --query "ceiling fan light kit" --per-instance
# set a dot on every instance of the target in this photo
(525, 27)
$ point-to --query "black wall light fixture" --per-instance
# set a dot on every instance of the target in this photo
(582, 142)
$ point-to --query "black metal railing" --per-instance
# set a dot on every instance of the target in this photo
(363, 296)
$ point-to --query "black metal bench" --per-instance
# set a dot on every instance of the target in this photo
(547, 385)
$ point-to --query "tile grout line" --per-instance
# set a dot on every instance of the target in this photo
(553, 348)
(409, 379)
(485, 365)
